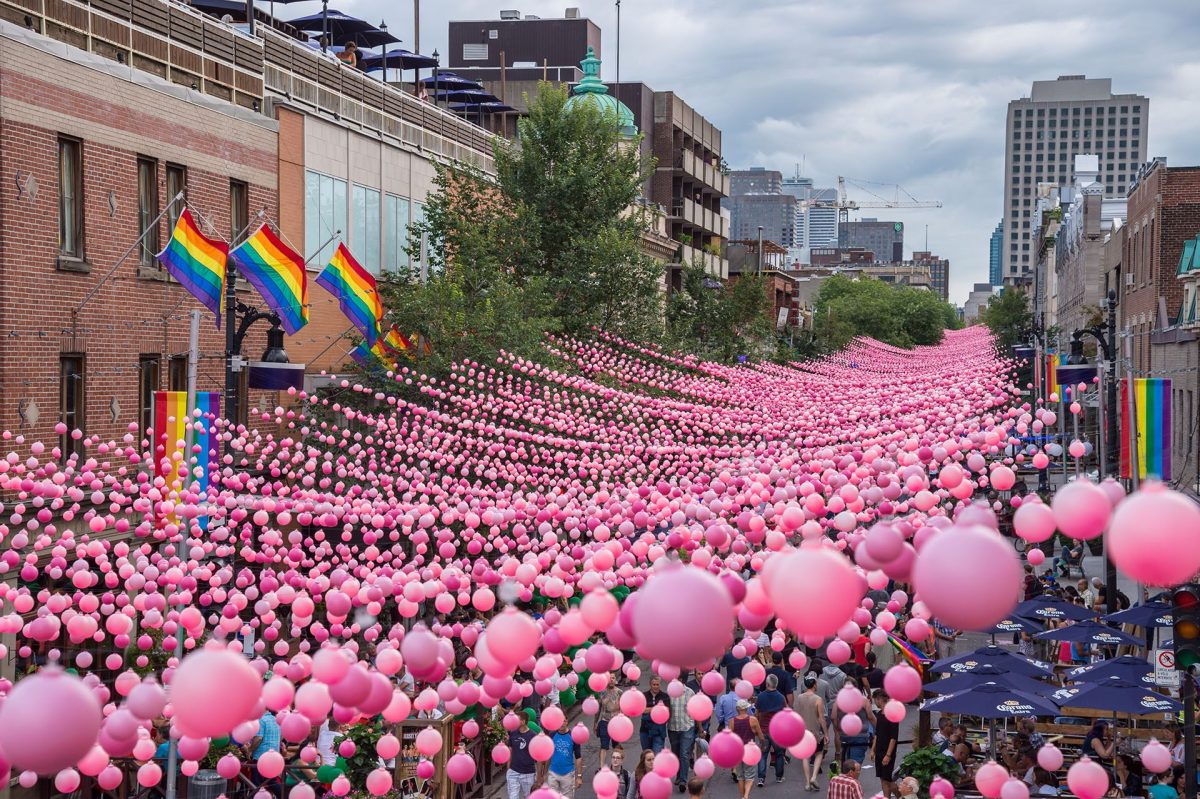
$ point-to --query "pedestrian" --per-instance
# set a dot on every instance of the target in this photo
(522, 769)
(349, 54)
(726, 706)
(745, 726)
(610, 705)
(855, 747)
(652, 734)
(733, 665)
(695, 788)
(770, 701)
(859, 650)
(887, 736)
(565, 772)
(834, 678)
(267, 740)
(1029, 727)
(873, 674)
(787, 683)
(681, 731)
(626, 787)
(946, 637)
(645, 766)
(846, 785)
(811, 708)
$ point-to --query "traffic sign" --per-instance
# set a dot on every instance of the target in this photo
(1164, 668)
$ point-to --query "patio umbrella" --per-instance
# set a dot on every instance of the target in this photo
(1116, 695)
(396, 59)
(471, 97)
(1089, 632)
(1048, 607)
(446, 81)
(1127, 667)
(992, 700)
(218, 8)
(994, 656)
(985, 674)
(1015, 624)
(487, 108)
(342, 28)
(1150, 614)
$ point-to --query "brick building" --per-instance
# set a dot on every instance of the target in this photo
(92, 157)
(1164, 215)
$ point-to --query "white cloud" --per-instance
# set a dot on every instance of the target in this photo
(905, 91)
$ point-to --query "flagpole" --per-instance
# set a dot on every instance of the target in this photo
(88, 297)
(262, 212)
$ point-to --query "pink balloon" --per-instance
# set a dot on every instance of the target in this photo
(48, 722)
(972, 561)
(1081, 510)
(213, 691)
(655, 617)
(902, 683)
(1050, 757)
(813, 591)
(1034, 522)
(460, 768)
(1156, 757)
(989, 778)
(726, 749)
(1154, 536)
(786, 728)
(1087, 779)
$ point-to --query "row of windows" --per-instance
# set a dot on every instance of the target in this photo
(377, 224)
(72, 400)
(71, 197)
(1087, 110)
(1075, 123)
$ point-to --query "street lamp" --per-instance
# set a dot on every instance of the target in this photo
(1106, 337)
(760, 228)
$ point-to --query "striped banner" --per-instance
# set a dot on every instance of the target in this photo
(1152, 400)
(168, 437)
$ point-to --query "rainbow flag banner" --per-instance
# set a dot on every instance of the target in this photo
(1152, 401)
(356, 293)
(278, 273)
(1051, 372)
(167, 439)
(373, 356)
(197, 262)
(399, 342)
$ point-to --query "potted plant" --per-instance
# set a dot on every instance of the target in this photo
(926, 763)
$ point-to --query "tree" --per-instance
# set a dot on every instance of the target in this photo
(897, 315)
(1008, 317)
(720, 322)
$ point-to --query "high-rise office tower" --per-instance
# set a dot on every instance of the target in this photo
(816, 216)
(996, 245)
(1060, 119)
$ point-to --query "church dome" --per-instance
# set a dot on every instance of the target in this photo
(592, 90)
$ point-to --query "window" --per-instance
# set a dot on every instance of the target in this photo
(239, 211)
(71, 402)
(395, 232)
(147, 384)
(324, 215)
(176, 183)
(364, 227)
(70, 198)
(177, 373)
(418, 216)
(148, 208)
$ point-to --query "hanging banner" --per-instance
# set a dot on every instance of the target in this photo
(168, 439)
(1152, 406)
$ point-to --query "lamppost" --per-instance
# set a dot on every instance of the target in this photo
(1105, 335)
(235, 335)
(760, 228)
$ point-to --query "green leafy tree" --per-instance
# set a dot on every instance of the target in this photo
(1008, 317)
(897, 315)
(722, 322)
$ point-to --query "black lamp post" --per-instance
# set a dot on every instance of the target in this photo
(1106, 339)
(436, 64)
(235, 335)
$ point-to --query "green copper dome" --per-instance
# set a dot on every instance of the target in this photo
(592, 90)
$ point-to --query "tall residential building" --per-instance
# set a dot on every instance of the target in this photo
(994, 250)
(755, 180)
(1060, 119)
(885, 239)
(939, 272)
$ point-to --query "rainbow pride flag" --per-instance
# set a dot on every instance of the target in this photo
(171, 461)
(197, 262)
(356, 293)
(398, 342)
(1152, 401)
(910, 653)
(278, 273)
(373, 356)
(1053, 361)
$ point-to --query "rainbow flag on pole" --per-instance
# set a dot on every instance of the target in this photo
(373, 356)
(278, 273)
(197, 262)
(1152, 401)
(171, 462)
(1052, 363)
(356, 293)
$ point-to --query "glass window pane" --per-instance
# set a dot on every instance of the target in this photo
(339, 219)
(418, 216)
(371, 232)
(358, 234)
(312, 213)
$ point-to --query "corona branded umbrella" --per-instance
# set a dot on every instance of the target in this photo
(1089, 632)
(1116, 695)
(994, 656)
(1048, 607)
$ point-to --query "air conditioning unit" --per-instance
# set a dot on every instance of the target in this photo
(572, 13)
(510, 14)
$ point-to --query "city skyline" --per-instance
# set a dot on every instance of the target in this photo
(921, 102)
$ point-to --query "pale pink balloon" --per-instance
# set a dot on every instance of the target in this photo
(512, 636)
(656, 616)
(1081, 510)
(968, 561)
(813, 591)
(1002, 478)
(1034, 522)
(1014, 789)
(541, 747)
(48, 722)
(704, 767)
(1087, 779)
(1154, 536)
(213, 691)
(379, 781)
(1050, 757)
(902, 682)
(1156, 757)
(989, 778)
(460, 768)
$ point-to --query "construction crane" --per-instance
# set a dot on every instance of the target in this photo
(846, 205)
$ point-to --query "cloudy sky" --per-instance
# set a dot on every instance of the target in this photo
(912, 92)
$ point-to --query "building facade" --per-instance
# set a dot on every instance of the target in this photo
(832, 256)
(774, 213)
(1060, 119)
(149, 100)
(939, 272)
(981, 294)
(885, 239)
(816, 223)
(1079, 259)
(995, 246)
(755, 180)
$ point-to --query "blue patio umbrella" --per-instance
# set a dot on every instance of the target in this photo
(1117, 696)
(471, 97)
(1049, 607)
(985, 674)
(1089, 632)
(396, 59)
(1127, 667)
(342, 28)
(487, 108)
(1149, 614)
(446, 81)
(992, 700)
(993, 655)
(1015, 624)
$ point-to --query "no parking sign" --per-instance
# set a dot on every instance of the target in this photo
(1164, 668)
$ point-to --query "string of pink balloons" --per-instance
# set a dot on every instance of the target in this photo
(343, 536)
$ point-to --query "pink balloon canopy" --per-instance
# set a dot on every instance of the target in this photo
(356, 533)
